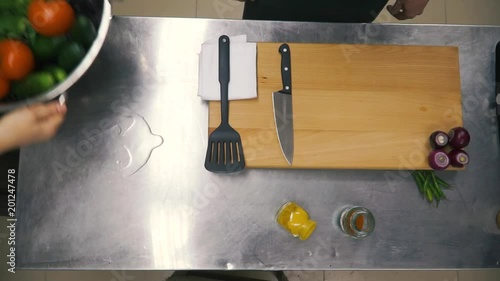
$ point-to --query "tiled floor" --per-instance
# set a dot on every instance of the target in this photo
(391, 275)
(437, 12)
(395, 275)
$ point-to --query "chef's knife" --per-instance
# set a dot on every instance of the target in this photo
(497, 83)
(282, 105)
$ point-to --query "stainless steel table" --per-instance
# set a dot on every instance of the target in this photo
(123, 184)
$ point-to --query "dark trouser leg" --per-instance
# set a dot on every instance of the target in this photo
(314, 10)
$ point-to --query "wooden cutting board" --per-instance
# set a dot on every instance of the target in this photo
(355, 106)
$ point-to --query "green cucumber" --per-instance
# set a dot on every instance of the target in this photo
(58, 73)
(33, 85)
(83, 31)
(70, 56)
(47, 48)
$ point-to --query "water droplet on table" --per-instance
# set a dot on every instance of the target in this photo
(138, 142)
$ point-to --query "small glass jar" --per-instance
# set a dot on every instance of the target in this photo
(295, 220)
(357, 222)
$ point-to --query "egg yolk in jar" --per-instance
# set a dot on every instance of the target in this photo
(296, 220)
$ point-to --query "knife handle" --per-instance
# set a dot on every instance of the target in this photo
(224, 70)
(497, 68)
(497, 82)
(286, 69)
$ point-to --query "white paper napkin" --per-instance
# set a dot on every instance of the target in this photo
(243, 69)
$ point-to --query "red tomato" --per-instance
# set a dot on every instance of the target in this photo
(51, 17)
(4, 86)
(16, 59)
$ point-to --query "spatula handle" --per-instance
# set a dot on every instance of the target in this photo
(224, 71)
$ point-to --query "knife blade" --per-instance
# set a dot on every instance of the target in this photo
(282, 106)
(497, 83)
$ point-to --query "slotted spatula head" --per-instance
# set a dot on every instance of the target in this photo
(224, 152)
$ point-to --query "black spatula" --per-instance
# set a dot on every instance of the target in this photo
(225, 152)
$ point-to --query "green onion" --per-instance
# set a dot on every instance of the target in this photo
(430, 185)
(429, 196)
(443, 183)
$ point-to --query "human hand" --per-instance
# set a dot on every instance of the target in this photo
(31, 124)
(407, 9)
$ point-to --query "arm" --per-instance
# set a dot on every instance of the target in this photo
(30, 124)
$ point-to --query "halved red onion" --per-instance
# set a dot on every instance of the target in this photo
(458, 158)
(439, 139)
(439, 160)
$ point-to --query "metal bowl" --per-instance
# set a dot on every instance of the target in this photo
(99, 11)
